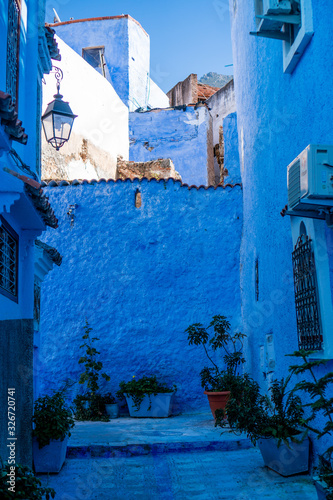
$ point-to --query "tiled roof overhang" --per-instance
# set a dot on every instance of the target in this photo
(52, 44)
(42, 205)
(9, 119)
(51, 251)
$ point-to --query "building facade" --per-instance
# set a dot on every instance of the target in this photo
(284, 103)
(119, 49)
(26, 50)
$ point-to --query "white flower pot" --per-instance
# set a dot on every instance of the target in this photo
(160, 406)
(283, 459)
(51, 457)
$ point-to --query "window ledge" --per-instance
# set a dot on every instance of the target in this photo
(293, 53)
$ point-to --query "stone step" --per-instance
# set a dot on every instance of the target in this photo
(131, 450)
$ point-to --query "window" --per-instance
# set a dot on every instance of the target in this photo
(95, 57)
(13, 46)
(8, 260)
(257, 280)
(286, 20)
(306, 295)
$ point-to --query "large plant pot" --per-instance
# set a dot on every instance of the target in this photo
(160, 406)
(321, 488)
(51, 457)
(217, 400)
(283, 459)
(112, 410)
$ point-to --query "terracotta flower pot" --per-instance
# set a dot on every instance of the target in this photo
(217, 400)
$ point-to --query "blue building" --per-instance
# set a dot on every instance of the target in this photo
(284, 103)
(26, 50)
(119, 48)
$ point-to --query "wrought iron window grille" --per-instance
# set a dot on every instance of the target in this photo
(13, 48)
(306, 296)
(8, 261)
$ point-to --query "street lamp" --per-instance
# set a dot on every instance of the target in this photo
(58, 118)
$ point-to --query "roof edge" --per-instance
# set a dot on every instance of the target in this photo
(79, 182)
(104, 18)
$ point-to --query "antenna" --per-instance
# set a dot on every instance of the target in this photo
(56, 17)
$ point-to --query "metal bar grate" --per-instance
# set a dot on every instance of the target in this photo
(306, 296)
(8, 262)
(13, 37)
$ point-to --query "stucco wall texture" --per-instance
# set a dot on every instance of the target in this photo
(140, 276)
(278, 116)
(16, 371)
(180, 134)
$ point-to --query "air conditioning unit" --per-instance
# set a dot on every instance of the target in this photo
(310, 179)
(276, 7)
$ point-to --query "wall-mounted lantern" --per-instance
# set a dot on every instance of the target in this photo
(58, 118)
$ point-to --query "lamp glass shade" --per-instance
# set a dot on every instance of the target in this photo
(57, 122)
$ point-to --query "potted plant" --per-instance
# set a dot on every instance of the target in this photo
(146, 397)
(275, 423)
(52, 423)
(18, 481)
(320, 403)
(219, 383)
(90, 406)
(111, 406)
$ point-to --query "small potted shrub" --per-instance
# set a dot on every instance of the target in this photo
(217, 382)
(275, 423)
(321, 403)
(90, 406)
(111, 406)
(18, 481)
(146, 397)
(52, 423)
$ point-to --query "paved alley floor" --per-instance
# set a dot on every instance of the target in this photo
(129, 459)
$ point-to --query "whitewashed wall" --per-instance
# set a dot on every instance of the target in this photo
(100, 131)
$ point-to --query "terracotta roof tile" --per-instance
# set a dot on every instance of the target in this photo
(79, 182)
(205, 91)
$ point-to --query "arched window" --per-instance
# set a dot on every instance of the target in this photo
(306, 294)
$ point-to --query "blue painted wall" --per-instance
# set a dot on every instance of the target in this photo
(179, 134)
(231, 151)
(141, 276)
(278, 116)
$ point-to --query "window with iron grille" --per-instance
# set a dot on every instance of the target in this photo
(8, 261)
(13, 46)
(306, 296)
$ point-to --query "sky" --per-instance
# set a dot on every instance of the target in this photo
(186, 36)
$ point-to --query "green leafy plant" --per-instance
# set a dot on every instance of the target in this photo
(108, 399)
(92, 366)
(27, 485)
(319, 390)
(144, 386)
(260, 416)
(217, 336)
(52, 418)
(94, 411)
